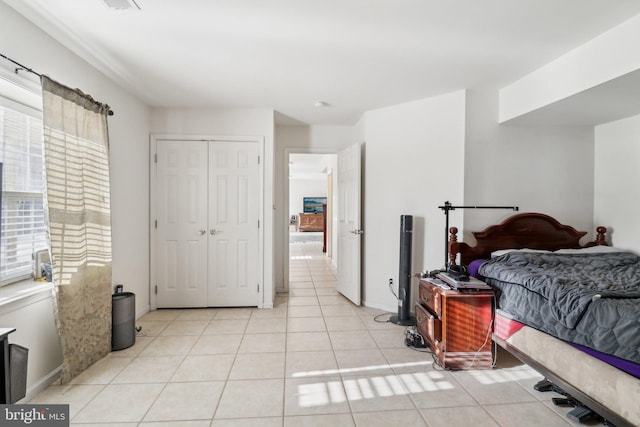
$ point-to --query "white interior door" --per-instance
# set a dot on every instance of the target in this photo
(207, 233)
(233, 224)
(349, 226)
(181, 171)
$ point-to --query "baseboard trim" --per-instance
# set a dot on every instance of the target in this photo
(41, 384)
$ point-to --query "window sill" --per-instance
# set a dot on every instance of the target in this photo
(23, 293)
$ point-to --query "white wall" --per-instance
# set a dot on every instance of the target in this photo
(129, 135)
(539, 169)
(617, 182)
(232, 122)
(414, 160)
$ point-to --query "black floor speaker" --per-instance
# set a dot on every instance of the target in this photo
(404, 277)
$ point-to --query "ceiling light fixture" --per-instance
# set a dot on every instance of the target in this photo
(321, 104)
(122, 4)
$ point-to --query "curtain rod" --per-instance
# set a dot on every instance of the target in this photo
(25, 68)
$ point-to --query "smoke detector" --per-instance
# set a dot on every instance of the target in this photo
(122, 4)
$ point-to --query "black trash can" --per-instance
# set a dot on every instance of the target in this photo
(123, 327)
(18, 358)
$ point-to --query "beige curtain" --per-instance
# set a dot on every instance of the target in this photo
(76, 149)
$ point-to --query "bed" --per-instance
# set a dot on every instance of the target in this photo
(556, 325)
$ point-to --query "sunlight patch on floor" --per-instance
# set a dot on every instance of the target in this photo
(321, 393)
(358, 369)
(503, 375)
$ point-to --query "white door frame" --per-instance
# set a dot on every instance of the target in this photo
(153, 140)
(285, 241)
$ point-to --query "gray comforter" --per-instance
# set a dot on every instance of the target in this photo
(588, 299)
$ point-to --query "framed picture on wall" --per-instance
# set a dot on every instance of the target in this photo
(313, 204)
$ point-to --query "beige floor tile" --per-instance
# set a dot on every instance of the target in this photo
(300, 284)
(305, 311)
(342, 310)
(226, 326)
(217, 344)
(302, 364)
(307, 396)
(334, 300)
(279, 310)
(497, 386)
(333, 420)
(302, 292)
(152, 328)
(76, 396)
(306, 324)
(327, 291)
(435, 389)
(308, 341)
(150, 369)
(119, 403)
(460, 416)
(181, 423)
(103, 371)
(532, 414)
(409, 417)
(251, 398)
(325, 284)
(141, 342)
(406, 360)
(263, 343)
(378, 321)
(255, 366)
(389, 338)
(185, 327)
(272, 325)
(186, 401)
(345, 323)
(377, 392)
(249, 422)
(362, 362)
(296, 301)
(198, 314)
(233, 313)
(162, 314)
(206, 367)
(169, 346)
(351, 340)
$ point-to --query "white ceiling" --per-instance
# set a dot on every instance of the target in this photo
(310, 166)
(357, 55)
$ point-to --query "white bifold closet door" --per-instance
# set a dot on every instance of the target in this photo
(207, 227)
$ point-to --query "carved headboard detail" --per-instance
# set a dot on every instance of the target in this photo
(524, 230)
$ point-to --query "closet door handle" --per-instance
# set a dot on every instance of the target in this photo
(202, 232)
(213, 231)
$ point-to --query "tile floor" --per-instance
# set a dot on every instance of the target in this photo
(313, 360)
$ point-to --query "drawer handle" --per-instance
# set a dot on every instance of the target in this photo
(419, 318)
(424, 297)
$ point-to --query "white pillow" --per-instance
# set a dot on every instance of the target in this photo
(590, 250)
(497, 253)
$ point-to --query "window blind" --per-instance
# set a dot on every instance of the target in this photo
(23, 229)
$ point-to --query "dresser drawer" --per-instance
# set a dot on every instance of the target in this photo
(428, 325)
(430, 296)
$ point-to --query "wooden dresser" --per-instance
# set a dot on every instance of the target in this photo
(311, 222)
(457, 326)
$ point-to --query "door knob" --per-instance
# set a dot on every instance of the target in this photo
(202, 232)
(213, 231)
(357, 232)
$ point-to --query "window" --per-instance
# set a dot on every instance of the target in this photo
(23, 229)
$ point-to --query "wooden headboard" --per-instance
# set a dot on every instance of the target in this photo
(525, 230)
